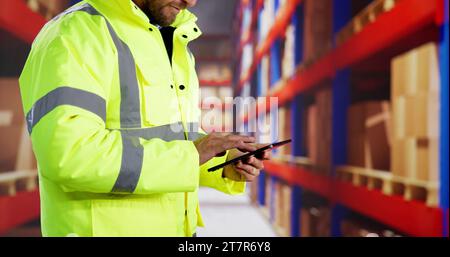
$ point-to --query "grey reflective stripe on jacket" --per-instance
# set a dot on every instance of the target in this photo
(66, 96)
(130, 112)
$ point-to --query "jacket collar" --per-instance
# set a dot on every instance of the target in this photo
(129, 9)
(185, 22)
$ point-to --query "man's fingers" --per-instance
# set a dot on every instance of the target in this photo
(244, 147)
(249, 169)
(246, 139)
(248, 177)
(255, 163)
(239, 144)
(267, 155)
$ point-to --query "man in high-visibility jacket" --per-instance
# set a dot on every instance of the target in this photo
(110, 95)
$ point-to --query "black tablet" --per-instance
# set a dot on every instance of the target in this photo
(256, 152)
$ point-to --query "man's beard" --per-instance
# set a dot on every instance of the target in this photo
(154, 14)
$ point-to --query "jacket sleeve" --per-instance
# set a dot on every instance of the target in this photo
(215, 180)
(65, 90)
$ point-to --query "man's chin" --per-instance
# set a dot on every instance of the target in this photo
(167, 22)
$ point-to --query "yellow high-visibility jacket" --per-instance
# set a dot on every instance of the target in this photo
(112, 122)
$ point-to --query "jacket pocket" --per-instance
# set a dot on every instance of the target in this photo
(159, 99)
(161, 105)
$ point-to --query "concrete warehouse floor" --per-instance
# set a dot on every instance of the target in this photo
(231, 216)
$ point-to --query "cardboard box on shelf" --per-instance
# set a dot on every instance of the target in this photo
(416, 71)
(428, 75)
(317, 28)
(356, 137)
(254, 190)
(357, 149)
(416, 159)
(356, 119)
(305, 221)
(427, 159)
(312, 133)
(324, 222)
(324, 105)
(421, 115)
(282, 207)
(315, 222)
(398, 157)
(402, 74)
(415, 97)
(278, 202)
(323, 136)
(378, 132)
(286, 217)
(369, 144)
(421, 159)
(323, 164)
(369, 135)
(399, 123)
(304, 131)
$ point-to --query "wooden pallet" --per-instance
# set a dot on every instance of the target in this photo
(363, 18)
(424, 191)
(16, 181)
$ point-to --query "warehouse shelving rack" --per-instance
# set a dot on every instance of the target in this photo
(406, 19)
(17, 19)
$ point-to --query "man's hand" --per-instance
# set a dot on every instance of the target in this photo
(216, 144)
(247, 169)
